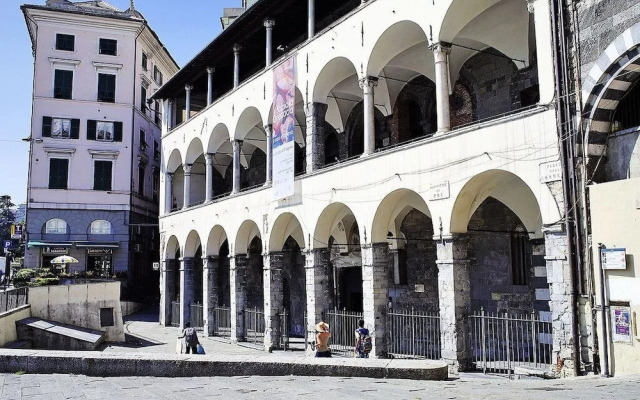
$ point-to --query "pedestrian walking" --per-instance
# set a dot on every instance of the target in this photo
(363, 341)
(190, 339)
(322, 340)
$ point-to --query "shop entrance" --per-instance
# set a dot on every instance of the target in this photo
(100, 263)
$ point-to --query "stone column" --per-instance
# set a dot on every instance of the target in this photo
(273, 298)
(168, 194)
(368, 85)
(269, 132)
(187, 90)
(541, 11)
(559, 276)
(186, 289)
(210, 291)
(208, 158)
(171, 122)
(454, 287)
(238, 271)
(237, 145)
(236, 65)
(269, 24)
(319, 287)
(167, 293)
(210, 72)
(441, 53)
(187, 186)
(316, 113)
(375, 291)
(311, 19)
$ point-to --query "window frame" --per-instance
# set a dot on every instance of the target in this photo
(108, 183)
(157, 75)
(144, 63)
(109, 45)
(62, 95)
(99, 229)
(141, 178)
(103, 93)
(55, 228)
(103, 138)
(60, 186)
(143, 99)
(65, 36)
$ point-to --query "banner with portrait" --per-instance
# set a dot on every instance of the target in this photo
(284, 129)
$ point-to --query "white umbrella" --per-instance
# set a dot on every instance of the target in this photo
(64, 260)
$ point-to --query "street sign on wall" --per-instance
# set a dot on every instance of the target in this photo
(614, 259)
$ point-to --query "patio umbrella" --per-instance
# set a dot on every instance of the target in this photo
(64, 260)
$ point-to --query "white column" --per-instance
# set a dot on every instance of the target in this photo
(368, 84)
(237, 144)
(269, 24)
(269, 133)
(311, 18)
(168, 194)
(541, 11)
(187, 89)
(208, 158)
(171, 122)
(210, 72)
(441, 53)
(187, 186)
(236, 65)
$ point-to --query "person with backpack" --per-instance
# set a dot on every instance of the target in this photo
(190, 338)
(364, 343)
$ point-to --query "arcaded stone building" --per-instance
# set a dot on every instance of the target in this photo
(426, 180)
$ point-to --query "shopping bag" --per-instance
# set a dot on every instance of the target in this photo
(200, 349)
(178, 346)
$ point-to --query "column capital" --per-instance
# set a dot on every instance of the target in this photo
(441, 47)
(269, 23)
(368, 82)
(187, 168)
(238, 142)
(237, 48)
(210, 70)
(188, 88)
(531, 6)
(208, 157)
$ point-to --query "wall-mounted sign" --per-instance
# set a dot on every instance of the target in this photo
(550, 172)
(55, 250)
(284, 129)
(16, 231)
(156, 266)
(99, 251)
(621, 323)
(419, 288)
(615, 259)
(439, 191)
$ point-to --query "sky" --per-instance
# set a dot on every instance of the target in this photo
(185, 27)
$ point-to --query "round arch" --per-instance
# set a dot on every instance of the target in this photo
(219, 136)
(247, 231)
(191, 245)
(287, 224)
(398, 38)
(217, 237)
(330, 223)
(172, 247)
(392, 210)
(174, 161)
(504, 186)
(195, 150)
(333, 73)
(249, 119)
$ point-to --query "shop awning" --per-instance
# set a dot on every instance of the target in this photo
(48, 244)
(97, 245)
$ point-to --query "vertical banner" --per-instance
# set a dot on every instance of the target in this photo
(284, 128)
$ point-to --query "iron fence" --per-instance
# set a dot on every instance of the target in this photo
(413, 334)
(343, 326)
(196, 315)
(501, 342)
(222, 322)
(14, 298)
(254, 326)
(175, 313)
(283, 337)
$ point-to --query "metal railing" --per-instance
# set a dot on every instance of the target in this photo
(283, 338)
(196, 315)
(222, 322)
(175, 313)
(254, 326)
(413, 334)
(342, 325)
(14, 298)
(501, 342)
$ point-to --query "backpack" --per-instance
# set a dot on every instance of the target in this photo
(366, 343)
(190, 336)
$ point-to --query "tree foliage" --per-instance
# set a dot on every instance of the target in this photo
(7, 216)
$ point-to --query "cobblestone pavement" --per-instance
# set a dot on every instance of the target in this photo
(54, 387)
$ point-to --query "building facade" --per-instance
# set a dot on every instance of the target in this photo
(95, 142)
(427, 176)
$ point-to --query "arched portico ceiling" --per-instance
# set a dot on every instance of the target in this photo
(217, 237)
(504, 186)
(248, 230)
(332, 78)
(175, 161)
(392, 210)
(286, 225)
(249, 119)
(171, 248)
(482, 24)
(219, 136)
(335, 220)
(192, 244)
(194, 151)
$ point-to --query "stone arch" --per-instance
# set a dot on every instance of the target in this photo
(194, 151)
(247, 231)
(172, 248)
(192, 244)
(217, 236)
(330, 225)
(219, 136)
(286, 225)
(334, 72)
(174, 161)
(392, 210)
(249, 119)
(505, 187)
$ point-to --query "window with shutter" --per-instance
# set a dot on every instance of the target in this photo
(143, 99)
(63, 84)
(102, 175)
(109, 47)
(144, 61)
(107, 88)
(46, 126)
(58, 173)
(91, 129)
(65, 42)
(104, 131)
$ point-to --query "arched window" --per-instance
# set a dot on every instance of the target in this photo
(56, 226)
(100, 227)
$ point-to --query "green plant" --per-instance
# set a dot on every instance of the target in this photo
(44, 282)
(23, 277)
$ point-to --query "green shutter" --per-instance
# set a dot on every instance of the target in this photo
(46, 126)
(91, 130)
(75, 129)
(117, 131)
(102, 175)
(58, 173)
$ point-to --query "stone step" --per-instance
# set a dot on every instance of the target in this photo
(53, 335)
(19, 344)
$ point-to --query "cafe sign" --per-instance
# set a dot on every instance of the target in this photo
(100, 252)
(55, 250)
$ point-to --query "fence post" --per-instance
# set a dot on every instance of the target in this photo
(483, 334)
(534, 338)
(508, 344)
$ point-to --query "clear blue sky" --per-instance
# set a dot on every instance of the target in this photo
(184, 26)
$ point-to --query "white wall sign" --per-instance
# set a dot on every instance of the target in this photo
(615, 259)
(550, 172)
(439, 191)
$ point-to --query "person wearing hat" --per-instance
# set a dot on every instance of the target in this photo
(322, 340)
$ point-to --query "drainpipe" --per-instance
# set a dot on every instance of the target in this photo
(560, 72)
(604, 361)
